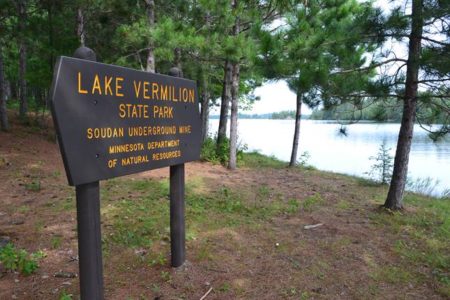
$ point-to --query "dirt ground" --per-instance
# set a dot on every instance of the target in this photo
(348, 257)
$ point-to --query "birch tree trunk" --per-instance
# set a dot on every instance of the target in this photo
(204, 112)
(395, 195)
(80, 28)
(4, 125)
(234, 99)
(204, 105)
(298, 116)
(234, 116)
(151, 47)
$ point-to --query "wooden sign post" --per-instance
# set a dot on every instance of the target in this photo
(113, 121)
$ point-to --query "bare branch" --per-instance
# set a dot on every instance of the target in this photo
(370, 67)
(432, 80)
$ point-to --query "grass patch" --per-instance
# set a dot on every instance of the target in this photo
(293, 206)
(205, 251)
(56, 241)
(137, 211)
(224, 287)
(68, 204)
(23, 209)
(367, 182)
(425, 227)
(393, 275)
(312, 202)
(34, 186)
(258, 160)
(343, 205)
(156, 259)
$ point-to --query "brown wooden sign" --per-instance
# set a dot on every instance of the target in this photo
(113, 121)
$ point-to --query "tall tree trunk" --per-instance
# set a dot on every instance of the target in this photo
(394, 198)
(234, 98)
(225, 103)
(234, 116)
(151, 47)
(80, 28)
(204, 112)
(3, 116)
(23, 108)
(298, 116)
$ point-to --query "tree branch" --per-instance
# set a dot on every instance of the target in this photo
(370, 67)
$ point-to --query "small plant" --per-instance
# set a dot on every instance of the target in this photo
(225, 287)
(155, 288)
(18, 259)
(166, 276)
(158, 259)
(65, 296)
(208, 152)
(382, 167)
(303, 159)
(56, 242)
(425, 186)
(293, 206)
(215, 153)
(445, 194)
(34, 186)
(220, 153)
(311, 202)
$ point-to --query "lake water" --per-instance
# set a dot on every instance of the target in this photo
(328, 150)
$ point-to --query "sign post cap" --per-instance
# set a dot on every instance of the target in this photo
(85, 53)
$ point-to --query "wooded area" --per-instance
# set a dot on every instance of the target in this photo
(331, 52)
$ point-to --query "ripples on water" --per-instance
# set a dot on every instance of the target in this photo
(349, 154)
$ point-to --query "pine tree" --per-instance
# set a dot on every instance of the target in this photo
(420, 79)
(319, 38)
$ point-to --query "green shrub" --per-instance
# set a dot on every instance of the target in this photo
(18, 259)
(383, 162)
(219, 153)
(208, 152)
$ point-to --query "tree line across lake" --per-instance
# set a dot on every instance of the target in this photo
(343, 56)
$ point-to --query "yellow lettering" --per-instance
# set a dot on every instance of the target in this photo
(146, 90)
(191, 96)
(127, 110)
(174, 99)
(184, 95)
(137, 88)
(134, 113)
(122, 110)
(155, 89)
(119, 86)
(108, 85)
(96, 86)
(80, 90)
(185, 129)
(89, 133)
(164, 92)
